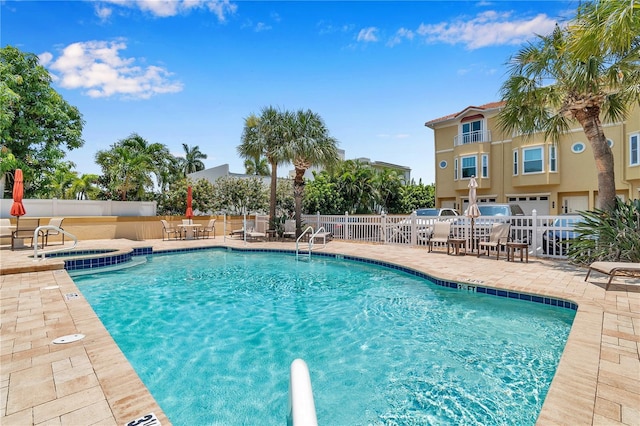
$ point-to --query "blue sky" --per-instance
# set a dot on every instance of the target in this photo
(191, 71)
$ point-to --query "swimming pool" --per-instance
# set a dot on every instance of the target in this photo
(212, 334)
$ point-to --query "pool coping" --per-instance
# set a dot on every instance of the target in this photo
(594, 383)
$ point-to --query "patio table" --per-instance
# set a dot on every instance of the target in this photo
(190, 230)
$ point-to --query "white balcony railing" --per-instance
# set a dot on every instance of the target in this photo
(472, 137)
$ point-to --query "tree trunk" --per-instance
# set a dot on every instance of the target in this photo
(272, 200)
(298, 192)
(589, 118)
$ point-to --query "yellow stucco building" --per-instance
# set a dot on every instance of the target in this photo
(532, 172)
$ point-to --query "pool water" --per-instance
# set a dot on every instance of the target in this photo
(212, 335)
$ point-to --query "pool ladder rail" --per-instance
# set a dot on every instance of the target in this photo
(44, 253)
(320, 233)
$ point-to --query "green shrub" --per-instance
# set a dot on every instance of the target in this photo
(612, 236)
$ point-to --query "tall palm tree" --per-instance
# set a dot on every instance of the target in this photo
(308, 144)
(192, 161)
(265, 136)
(587, 71)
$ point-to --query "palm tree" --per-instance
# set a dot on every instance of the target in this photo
(588, 70)
(258, 166)
(356, 183)
(192, 161)
(308, 144)
(127, 171)
(156, 154)
(389, 183)
(265, 136)
(60, 181)
(84, 187)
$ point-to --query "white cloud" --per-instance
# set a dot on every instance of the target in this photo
(328, 28)
(166, 8)
(261, 26)
(45, 58)
(98, 69)
(487, 29)
(368, 35)
(400, 35)
(103, 12)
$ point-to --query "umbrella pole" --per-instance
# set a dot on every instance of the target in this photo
(473, 240)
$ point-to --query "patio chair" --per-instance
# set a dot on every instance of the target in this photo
(168, 230)
(210, 228)
(250, 224)
(440, 235)
(289, 229)
(258, 232)
(612, 269)
(25, 228)
(6, 230)
(498, 237)
(57, 222)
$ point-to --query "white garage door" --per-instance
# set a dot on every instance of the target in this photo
(538, 203)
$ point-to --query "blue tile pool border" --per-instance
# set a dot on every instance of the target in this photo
(106, 259)
(96, 262)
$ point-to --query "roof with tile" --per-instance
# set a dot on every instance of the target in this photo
(485, 107)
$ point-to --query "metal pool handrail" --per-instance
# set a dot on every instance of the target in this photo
(54, 228)
(302, 409)
(309, 229)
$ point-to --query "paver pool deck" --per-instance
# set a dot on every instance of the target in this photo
(91, 382)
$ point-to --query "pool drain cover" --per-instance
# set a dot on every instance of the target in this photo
(68, 339)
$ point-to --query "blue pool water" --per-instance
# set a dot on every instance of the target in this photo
(212, 335)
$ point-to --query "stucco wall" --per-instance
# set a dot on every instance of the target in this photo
(133, 228)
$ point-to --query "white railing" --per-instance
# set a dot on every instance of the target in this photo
(472, 137)
(302, 409)
(309, 230)
(39, 229)
(546, 235)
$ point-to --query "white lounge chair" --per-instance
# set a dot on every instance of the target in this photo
(613, 269)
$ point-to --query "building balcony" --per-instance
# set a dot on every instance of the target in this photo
(478, 136)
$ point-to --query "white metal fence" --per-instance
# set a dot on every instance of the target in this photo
(546, 235)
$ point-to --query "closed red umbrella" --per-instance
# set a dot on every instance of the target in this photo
(17, 208)
(189, 202)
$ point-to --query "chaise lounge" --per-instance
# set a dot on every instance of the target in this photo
(613, 269)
